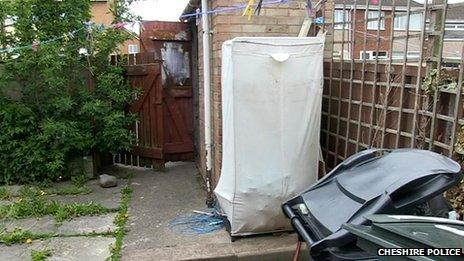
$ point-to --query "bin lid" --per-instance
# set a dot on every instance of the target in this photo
(397, 231)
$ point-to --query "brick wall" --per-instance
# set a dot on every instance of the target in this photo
(101, 12)
(371, 43)
(276, 20)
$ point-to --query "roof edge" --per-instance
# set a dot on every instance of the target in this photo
(191, 6)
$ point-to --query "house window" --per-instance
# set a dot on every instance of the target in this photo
(372, 55)
(340, 17)
(133, 48)
(410, 55)
(415, 21)
(454, 27)
(373, 25)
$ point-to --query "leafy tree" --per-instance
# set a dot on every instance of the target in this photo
(60, 97)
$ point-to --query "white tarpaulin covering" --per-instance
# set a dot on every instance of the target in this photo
(271, 109)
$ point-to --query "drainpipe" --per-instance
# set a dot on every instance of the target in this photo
(207, 93)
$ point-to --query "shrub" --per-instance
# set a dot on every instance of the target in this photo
(56, 104)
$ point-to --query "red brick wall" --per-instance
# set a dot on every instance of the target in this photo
(371, 44)
(275, 20)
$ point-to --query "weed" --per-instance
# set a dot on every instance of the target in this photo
(29, 191)
(38, 207)
(120, 221)
(79, 180)
(41, 255)
(34, 191)
(68, 211)
(69, 190)
(5, 193)
(21, 236)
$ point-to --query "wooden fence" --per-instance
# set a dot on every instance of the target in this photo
(410, 102)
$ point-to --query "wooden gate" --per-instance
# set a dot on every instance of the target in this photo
(164, 129)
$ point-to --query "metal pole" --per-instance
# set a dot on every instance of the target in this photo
(207, 89)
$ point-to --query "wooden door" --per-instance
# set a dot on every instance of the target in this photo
(164, 129)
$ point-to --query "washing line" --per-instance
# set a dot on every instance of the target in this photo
(215, 11)
(233, 8)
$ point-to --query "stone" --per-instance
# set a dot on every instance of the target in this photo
(108, 181)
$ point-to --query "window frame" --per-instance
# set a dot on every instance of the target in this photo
(403, 19)
(338, 18)
(372, 25)
(132, 45)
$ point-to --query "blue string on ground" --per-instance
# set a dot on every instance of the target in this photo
(198, 223)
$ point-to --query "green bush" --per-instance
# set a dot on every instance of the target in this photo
(56, 104)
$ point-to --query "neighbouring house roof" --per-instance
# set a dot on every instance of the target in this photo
(455, 12)
(191, 6)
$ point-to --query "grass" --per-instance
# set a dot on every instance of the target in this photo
(120, 221)
(29, 191)
(19, 236)
(5, 193)
(41, 255)
(32, 203)
(69, 190)
(39, 207)
(79, 180)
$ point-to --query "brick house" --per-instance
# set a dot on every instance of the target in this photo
(283, 19)
(101, 14)
(454, 34)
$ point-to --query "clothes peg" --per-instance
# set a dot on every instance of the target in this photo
(249, 9)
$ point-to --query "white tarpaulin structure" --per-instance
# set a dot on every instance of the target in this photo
(271, 109)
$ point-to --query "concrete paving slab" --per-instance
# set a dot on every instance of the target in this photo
(19, 252)
(36, 225)
(160, 197)
(79, 248)
(88, 224)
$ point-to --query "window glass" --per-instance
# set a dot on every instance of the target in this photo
(339, 18)
(415, 21)
(373, 25)
(133, 48)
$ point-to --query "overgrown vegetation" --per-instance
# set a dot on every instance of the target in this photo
(19, 236)
(39, 207)
(60, 97)
(5, 193)
(69, 190)
(435, 81)
(41, 255)
(120, 221)
(456, 194)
